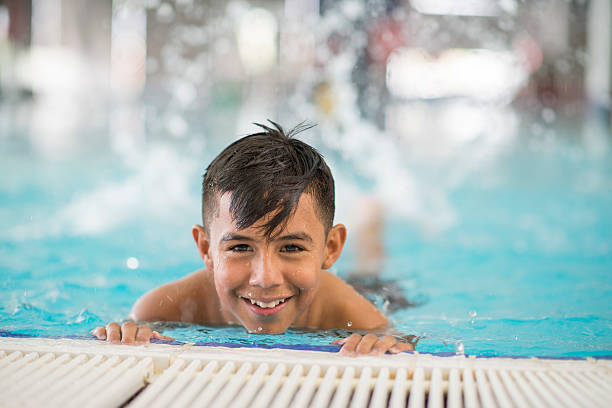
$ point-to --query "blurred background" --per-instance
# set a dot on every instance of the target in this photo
(477, 132)
(388, 81)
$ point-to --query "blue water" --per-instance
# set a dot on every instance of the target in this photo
(524, 269)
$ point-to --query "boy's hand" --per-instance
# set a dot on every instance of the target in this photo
(372, 345)
(127, 333)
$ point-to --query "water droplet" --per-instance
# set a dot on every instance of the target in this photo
(249, 294)
(132, 263)
(349, 323)
(459, 348)
(259, 328)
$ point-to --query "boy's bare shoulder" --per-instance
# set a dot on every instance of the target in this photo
(343, 307)
(190, 299)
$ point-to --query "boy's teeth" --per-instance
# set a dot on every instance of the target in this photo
(267, 305)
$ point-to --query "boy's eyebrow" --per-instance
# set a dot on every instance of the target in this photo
(235, 237)
(300, 236)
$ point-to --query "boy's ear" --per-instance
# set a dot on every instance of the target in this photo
(333, 247)
(203, 243)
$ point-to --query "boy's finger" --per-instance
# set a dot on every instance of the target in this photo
(99, 332)
(366, 343)
(143, 334)
(159, 336)
(128, 332)
(350, 344)
(382, 345)
(113, 333)
(339, 341)
(401, 347)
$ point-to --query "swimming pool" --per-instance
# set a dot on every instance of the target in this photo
(521, 264)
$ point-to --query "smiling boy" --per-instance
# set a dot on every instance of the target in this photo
(267, 241)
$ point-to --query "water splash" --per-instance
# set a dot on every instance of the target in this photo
(459, 350)
(473, 315)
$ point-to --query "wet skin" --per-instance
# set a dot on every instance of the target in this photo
(266, 284)
(251, 270)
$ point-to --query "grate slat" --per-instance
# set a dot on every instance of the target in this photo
(10, 358)
(15, 365)
(469, 390)
(579, 393)
(436, 395)
(9, 381)
(596, 380)
(175, 387)
(62, 378)
(148, 396)
(343, 391)
(98, 371)
(251, 387)
(120, 388)
(267, 393)
(303, 396)
(287, 392)
(228, 393)
(484, 390)
(453, 399)
(362, 392)
(498, 390)
(529, 393)
(196, 385)
(560, 394)
(381, 389)
(399, 390)
(513, 390)
(219, 380)
(417, 389)
(550, 400)
(93, 390)
(28, 382)
(321, 398)
(579, 378)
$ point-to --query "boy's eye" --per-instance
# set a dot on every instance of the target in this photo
(291, 248)
(240, 248)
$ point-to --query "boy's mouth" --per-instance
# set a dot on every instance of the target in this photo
(266, 307)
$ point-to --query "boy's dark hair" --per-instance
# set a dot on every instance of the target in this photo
(267, 172)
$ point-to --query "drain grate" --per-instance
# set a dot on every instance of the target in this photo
(69, 380)
(72, 373)
(218, 383)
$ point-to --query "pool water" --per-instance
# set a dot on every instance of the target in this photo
(523, 267)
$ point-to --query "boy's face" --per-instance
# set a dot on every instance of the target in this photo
(268, 283)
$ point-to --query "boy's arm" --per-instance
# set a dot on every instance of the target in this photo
(343, 307)
(180, 301)
(352, 311)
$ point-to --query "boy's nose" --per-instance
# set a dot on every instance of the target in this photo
(265, 272)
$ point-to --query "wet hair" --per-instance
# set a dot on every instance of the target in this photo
(266, 173)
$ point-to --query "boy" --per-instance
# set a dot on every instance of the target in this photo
(267, 241)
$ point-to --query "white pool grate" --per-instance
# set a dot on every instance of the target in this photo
(48, 379)
(218, 383)
(42, 372)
